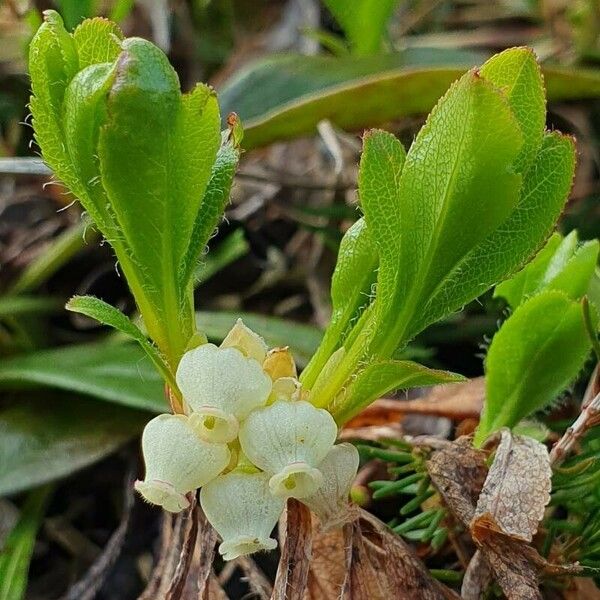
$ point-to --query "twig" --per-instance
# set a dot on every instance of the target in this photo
(588, 418)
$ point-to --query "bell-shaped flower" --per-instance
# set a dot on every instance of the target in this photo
(177, 462)
(330, 501)
(248, 342)
(288, 440)
(221, 386)
(240, 506)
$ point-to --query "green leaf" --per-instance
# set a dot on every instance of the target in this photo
(74, 11)
(383, 377)
(52, 64)
(118, 373)
(283, 97)
(381, 166)
(212, 208)
(351, 290)
(155, 177)
(18, 547)
(507, 249)
(457, 186)
(44, 440)
(302, 339)
(364, 22)
(13, 306)
(534, 356)
(97, 41)
(563, 264)
(517, 73)
(113, 317)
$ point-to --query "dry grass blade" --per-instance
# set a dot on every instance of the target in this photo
(327, 567)
(205, 553)
(89, 585)
(166, 549)
(257, 581)
(190, 518)
(380, 566)
(517, 488)
(292, 572)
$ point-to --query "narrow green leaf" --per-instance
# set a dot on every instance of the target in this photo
(113, 317)
(381, 166)
(563, 264)
(97, 41)
(41, 441)
(52, 65)
(74, 11)
(534, 356)
(231, 248)
(282, 97)
(17, 549)
(351, 290)
(507, 249)
(211, 210)
(118, 373)
(381, 378)
(527, 280)
(302, 339)
(517, 73)
(14, 306)
(457, 186)
(363, 21)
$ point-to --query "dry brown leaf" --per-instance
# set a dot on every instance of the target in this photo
(327, 566)
(477, 578)
(457, 401)
(512, 561)
(292, 572)
(582, 588)
(381, 566)
(458, 471)
(517, 488)
(371, 434)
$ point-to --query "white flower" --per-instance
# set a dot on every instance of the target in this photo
(221, 386)
(177, 461)
(245, 340)
(330, 501)
(288, 440)
(241, 508)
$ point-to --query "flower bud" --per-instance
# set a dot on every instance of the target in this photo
(280, 363)
(241, 508)
(330, 501)
(221, 386)
(288, 440)
(248, 342)
(177, 462)
(285, 388)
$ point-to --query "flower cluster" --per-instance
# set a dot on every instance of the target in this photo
(250, 441)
